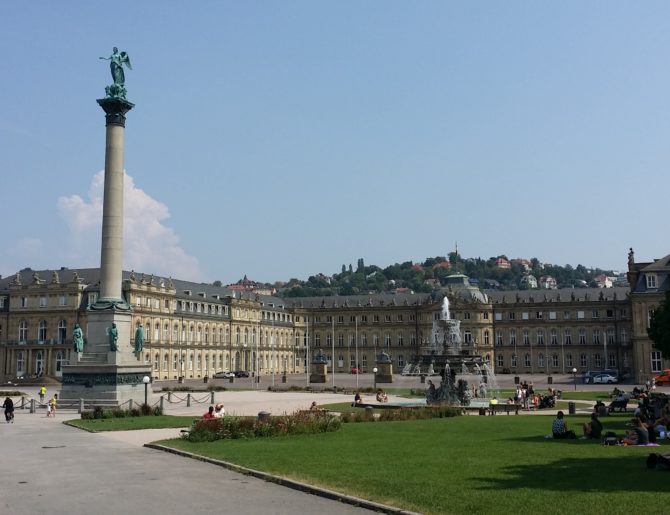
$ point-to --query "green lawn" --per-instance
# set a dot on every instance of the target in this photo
(131, 423)
(468, 464)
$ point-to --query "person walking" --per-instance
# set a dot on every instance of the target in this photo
(9, 410)
(51, 408)
(43, 392)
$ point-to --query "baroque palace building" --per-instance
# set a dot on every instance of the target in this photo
(194, 330)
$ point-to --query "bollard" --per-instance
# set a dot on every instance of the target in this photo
(162, 403)
(23, 402)
(170, 396)
(32, 405)
(130, 404)
(263, 416)
(212, 397)
(188, 400)
(81, 406)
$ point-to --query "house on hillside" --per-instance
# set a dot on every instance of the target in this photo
(503, 264)
(603, 281)
(548, 282)
(528, 281)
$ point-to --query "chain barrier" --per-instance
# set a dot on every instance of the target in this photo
(205, 399)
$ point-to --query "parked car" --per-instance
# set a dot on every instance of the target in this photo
(241, 373)
(224, 375)
(663, 379)
(355, 370)
(604, 379)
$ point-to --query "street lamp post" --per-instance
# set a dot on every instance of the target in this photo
(574, 377)
(146, 380)
(374, 371)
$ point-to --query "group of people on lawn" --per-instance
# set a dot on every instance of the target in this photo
(643, 431)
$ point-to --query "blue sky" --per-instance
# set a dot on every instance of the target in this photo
(283, 139)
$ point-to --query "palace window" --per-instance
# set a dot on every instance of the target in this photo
(500, 359)
(554, 360)
(526, 337)
(499, 338)
(656, 361)
(567, 337)
(43, 302)
(62, 331)
(23, 331)
(582, 360)
(582, 336)
(596, 336)
(651, 280)
(526, 360)
(554, 337)
(568, 360)
(42, 331)
(512, 336)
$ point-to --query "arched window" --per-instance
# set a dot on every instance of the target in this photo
(540, 360)
(157, 331)
(237, 336)
(526, 360)
(157, 358)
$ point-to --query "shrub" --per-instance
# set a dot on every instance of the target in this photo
(392, 415)
(249, 427)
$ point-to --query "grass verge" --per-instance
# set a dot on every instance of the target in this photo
(131, 423)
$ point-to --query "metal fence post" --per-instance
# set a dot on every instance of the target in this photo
(32, 405)
(81, 406)
(170, 396)
(162, 403)
(188, 400)
(212, 397)
(23, 402)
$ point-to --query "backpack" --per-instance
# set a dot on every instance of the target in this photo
(610, 439)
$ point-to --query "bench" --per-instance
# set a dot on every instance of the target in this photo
(504, 408)
(618, 405)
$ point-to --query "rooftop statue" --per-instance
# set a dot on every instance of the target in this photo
(116, 62)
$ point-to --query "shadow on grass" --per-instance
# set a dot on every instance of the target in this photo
(605, 475)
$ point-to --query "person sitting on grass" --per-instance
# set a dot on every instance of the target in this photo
(209, 415)
(313, 407)
(381, 396)
(638, 436)
(593, 429)
(559, 429)
(219, 411)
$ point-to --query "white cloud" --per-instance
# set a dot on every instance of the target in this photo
(149, 245)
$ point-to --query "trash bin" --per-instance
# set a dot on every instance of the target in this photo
(263, 416)
(550, 380)
(231, 379)
(205, 379)
(283, 378)
(423, 378)
(571, 408)
(516, 380)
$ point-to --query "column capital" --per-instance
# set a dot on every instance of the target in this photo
(115, 110)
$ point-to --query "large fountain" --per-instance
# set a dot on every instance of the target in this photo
(443, 355)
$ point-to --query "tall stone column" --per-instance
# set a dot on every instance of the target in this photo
(109, 372)
(111, 251)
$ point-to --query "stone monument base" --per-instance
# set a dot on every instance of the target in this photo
(384, 373)
(319, 373)
(103, 385)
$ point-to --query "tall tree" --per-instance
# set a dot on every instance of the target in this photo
(659, 328)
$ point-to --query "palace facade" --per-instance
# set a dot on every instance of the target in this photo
(194, 330)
